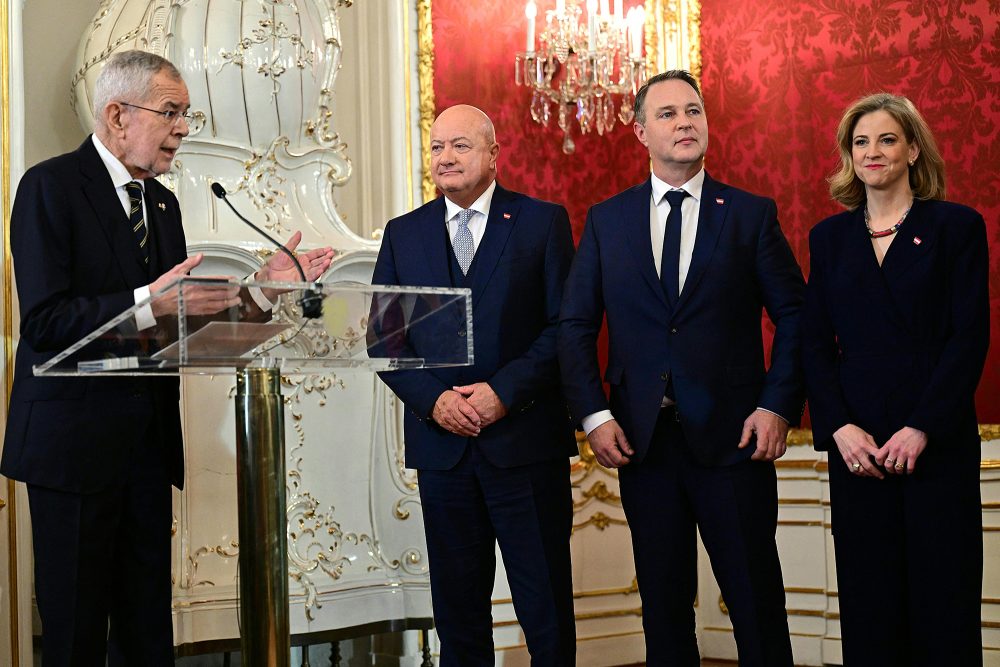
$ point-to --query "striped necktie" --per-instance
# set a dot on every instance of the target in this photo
(463, 243)
(135, 220)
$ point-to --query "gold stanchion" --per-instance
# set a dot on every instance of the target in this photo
(260, 465)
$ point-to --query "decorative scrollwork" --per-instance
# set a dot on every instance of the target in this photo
(231, 550)
(276, 35)
(599, 520)
(600, 492)
(263, 184)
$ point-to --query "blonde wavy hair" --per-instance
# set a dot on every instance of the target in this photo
(926, 173)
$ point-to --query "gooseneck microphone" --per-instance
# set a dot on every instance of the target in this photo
(311, 302)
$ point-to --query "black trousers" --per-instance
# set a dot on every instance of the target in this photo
(910, 561)
(667, 497)
(528, 511)
(102, 569)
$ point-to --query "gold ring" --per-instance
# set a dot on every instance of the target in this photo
(856, 466)
(899, 466)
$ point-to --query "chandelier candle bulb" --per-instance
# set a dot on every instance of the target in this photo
(637, 26)
(583, 66)
(530, 11)
(591, 25)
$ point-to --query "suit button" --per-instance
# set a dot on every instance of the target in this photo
(461, 333)
(673, 330)
(664, 376)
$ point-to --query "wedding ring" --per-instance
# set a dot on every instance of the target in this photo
(890, 461)
(899, 466)
(856, 466)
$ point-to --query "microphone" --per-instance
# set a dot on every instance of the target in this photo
(311, 302)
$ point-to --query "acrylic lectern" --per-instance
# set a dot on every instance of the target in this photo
(358, 326)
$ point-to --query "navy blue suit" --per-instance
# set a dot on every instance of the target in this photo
(98, 454)
(687, 469)
(511, 483)
(903, 344)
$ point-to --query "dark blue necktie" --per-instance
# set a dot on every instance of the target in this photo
(671, 257)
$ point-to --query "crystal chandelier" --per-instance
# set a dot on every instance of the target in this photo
(585, 58)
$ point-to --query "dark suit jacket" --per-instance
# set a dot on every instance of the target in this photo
(710, 341)
(521, 263)
(77, 263)
(902, 344)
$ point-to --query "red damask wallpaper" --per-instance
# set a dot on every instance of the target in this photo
(776, 76)
(474, 45)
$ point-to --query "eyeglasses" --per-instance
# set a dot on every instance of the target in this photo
(169, 115)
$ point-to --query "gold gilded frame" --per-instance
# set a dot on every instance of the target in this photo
(673, 39)
(673, 35)
(8, 342)
(425, 81)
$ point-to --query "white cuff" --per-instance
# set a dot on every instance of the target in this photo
(590, 422)
(144, 316)
(775, 414)
(257, 294)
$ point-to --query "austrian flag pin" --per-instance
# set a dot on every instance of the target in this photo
(506, 216)
(916, 240)
(720, 200)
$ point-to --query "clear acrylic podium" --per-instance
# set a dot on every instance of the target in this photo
(361, 326)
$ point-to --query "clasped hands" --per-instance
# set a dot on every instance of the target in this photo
(864, 458)
(468, 409)
(211, 298)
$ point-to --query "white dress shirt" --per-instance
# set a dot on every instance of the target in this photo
(120, 178)
(659, 208)
(477, 223)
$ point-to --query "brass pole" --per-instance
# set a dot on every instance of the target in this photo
(260, 480)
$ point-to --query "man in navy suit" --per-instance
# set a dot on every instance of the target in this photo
(99, 455)
(491, 441)
(682, 266)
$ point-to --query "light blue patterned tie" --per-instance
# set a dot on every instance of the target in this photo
(463, 245)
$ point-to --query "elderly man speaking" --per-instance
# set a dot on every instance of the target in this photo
(93, 233)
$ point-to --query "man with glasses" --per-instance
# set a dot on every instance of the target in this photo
(93, 233)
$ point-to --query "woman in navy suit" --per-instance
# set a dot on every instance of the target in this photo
(895, 332)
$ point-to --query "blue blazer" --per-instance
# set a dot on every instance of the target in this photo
(903, 344)
(520, 266)
(710, 341)
(77, 264)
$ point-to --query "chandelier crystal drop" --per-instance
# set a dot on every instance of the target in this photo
(587, 62)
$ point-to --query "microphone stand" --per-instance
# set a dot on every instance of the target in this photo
(311, 302)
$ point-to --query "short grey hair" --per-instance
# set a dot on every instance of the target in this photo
(128, 77)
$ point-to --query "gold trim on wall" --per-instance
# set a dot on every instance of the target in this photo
(631, 589)
(425, 81)
(408, 101)
(673, 36)
(583, 616)
(600, 520)
(579, 639)
(8, 339)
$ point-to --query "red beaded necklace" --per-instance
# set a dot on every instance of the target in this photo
(885, 232)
